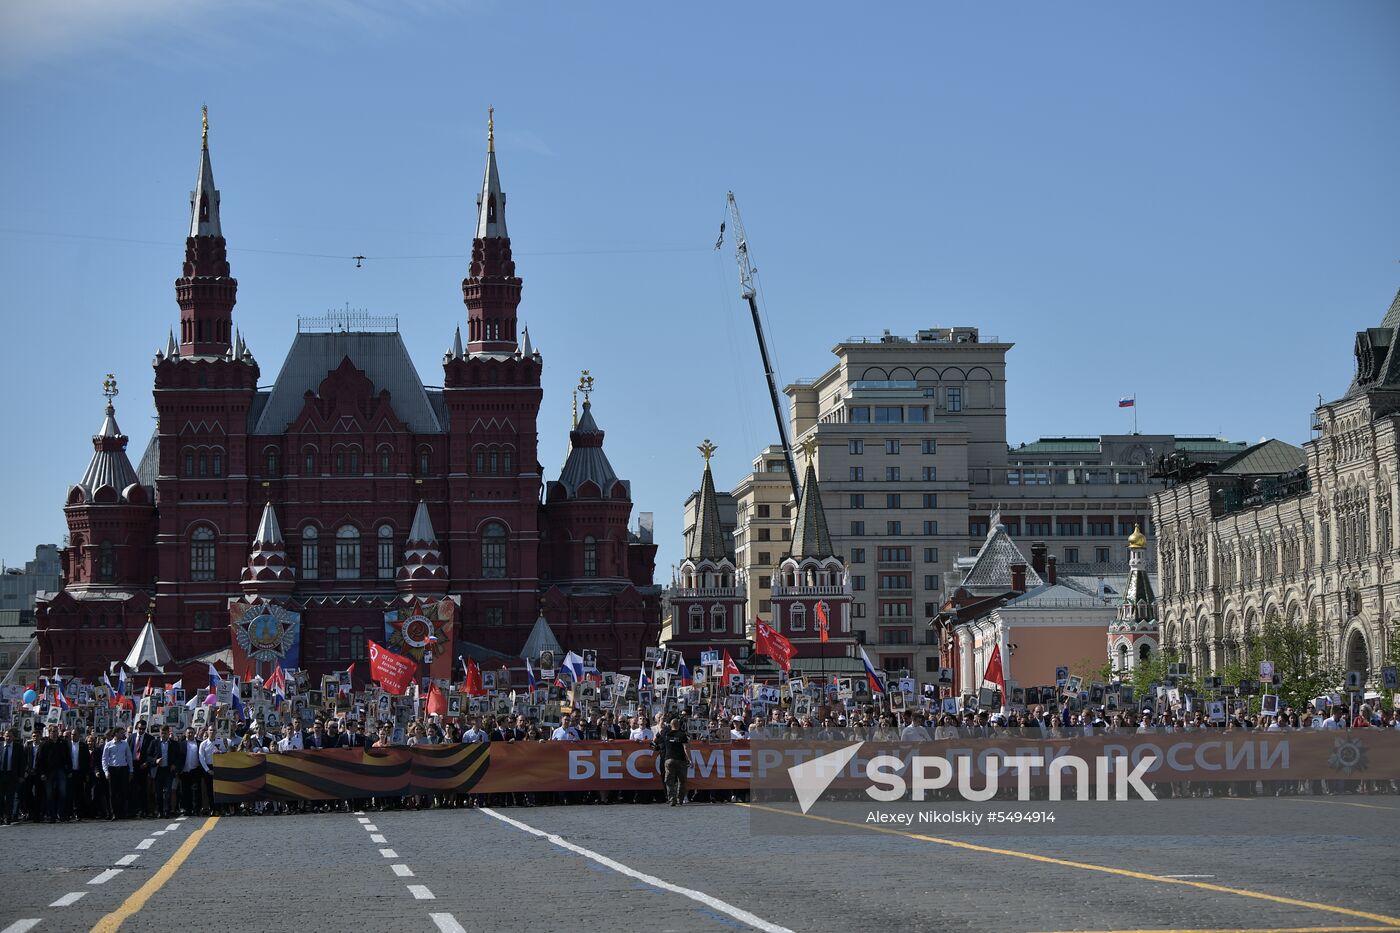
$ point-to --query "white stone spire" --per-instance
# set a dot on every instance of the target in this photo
(269, 532)
(204, 199)
(171, 350)
(527, 349)
(491, 203)
(457, 344)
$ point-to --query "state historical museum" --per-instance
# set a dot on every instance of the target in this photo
(349, 502)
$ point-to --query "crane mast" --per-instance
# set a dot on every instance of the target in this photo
(746, 288)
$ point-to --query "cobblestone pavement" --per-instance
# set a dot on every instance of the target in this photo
(1254, 864)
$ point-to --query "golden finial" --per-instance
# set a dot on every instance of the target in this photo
(490, 129)
(809, 447)
(109, 387)
(1137, 540)
(707, 450)
(585, 385)
(204, 117)
(575, 421)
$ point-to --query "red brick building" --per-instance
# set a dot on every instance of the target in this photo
(381, 490)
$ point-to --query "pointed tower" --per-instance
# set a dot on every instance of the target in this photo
(708, 599)
(205, 290)
(492, 290)
(267, 574)
(812, 582)
(1134, 637)
(423, 572)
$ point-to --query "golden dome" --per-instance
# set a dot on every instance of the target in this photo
(1137, 540)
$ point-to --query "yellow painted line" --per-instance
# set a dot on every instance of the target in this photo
(1342, 803)
(138, 899)
(1393, 922)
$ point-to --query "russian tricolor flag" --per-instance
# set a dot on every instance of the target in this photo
(876, 686)
(1127, 401)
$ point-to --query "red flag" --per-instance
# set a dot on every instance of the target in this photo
(994, 673)
(730, 669)
(769, 642)
(472, 687)
(437, 703)
(823, 624)
(393, 671)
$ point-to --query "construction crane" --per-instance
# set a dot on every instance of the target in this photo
(746, 288)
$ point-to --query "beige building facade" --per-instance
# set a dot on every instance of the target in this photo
(1300, 534)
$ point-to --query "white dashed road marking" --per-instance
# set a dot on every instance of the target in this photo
(21, 926)
(128, 859)
(371, 828)
(160, 832)
(173, 826)
(106, 876)
(378, 838)
(71, 897)
(714, 903)
(387, 853)
(420, 892)
(403, 871)
(447, 923)
(145, 843)
(363, 819)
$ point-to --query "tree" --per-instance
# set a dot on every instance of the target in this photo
(1295, 649)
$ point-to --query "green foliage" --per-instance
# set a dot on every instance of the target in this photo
(1296, 650)
(1155, 672)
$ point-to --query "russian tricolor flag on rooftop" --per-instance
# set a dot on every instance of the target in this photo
(1127, 401)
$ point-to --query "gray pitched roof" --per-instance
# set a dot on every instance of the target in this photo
(1059, 595)
(586, 461)
(1384, 343)
(149, 649)
(810, 536)
(992, 569)
(707, 543)
(1267, 458)
(381, 356)
(269, 534)
(109, 465)
(541, 639)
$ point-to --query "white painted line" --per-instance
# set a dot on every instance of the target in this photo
(363, 819)
(359, 813)
(181, 819)
(387, 853)
(71, 897)
(173, 826)
(145, 843)
(420, 892)
(403, 871)
(160, 832)
(128, 859)
(447, 923)
(714, 903)
(1188, 876)
(370, 827)
(21, 926)
(106, 876)
(378, 838)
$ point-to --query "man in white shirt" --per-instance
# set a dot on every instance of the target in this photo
(915, 731)
(291, 739)
(191, 775)
(210, 747)
(641, 732)
(565, 733)
(1337, 720)
(116, 764)
(474, 733)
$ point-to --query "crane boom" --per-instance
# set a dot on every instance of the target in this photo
(746, 288)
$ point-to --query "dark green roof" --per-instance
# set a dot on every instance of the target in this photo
(1210, 445)
(1060, 445)
(1269, 458)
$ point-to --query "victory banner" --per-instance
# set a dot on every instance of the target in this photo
(266, 634)
(422, 631)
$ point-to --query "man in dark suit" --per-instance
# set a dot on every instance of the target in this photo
(170, 754)
(77, 761)
(143, 762)
(11, 775)
(52, 765)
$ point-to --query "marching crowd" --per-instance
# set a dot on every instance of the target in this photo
(70, 775)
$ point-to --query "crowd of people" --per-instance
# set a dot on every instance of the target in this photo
(73, 775)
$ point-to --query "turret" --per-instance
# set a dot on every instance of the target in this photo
(491, 291)
(206, 292)
(267, 574)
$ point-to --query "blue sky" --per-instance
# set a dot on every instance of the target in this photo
(1193, 202)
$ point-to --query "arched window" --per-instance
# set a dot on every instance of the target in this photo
(697, 619)
(717, 619)
(357, 643)
(386, 552)
(355, 461)
(1122, 657)
(274, 462)
(202, 554)
(493, 550)
(308, 461)
(494, 461)
(189, 463)
(106, 563)
(480, 460)
(590, 556)
(507, 458)
(218, 459)
(332, 644)
(424, 455)
(310, 553)
(347, 553)
(797, 618)
(385, 459)
(339, 456)
(203, 463)
(1145, 653)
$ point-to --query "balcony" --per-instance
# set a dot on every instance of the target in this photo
(894, 565)
(904, 591)
(779, 589)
